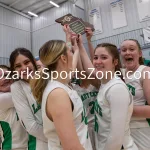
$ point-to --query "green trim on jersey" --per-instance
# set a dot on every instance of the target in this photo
(36, 108)
(131, 89)
(84, 116)
(96, 126)
(32, 143)
(98, 110)
(92, 104)
(88, 95)
(7, 134)
(148, 120)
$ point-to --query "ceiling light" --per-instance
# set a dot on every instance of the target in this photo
(54, 4)
(33, 14)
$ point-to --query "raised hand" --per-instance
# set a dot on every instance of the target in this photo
(89, 33)
(69, 33)
(67, 30)
(80, 40)
(74, 43)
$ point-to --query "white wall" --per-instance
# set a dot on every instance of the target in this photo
(131, 15)
(132, 30)
(14, 33)
(45, 28)
(18, 31)
(80, 3)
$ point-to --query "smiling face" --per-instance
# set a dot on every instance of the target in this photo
(130, 54)
(103, 61)
(4, 83)
(21, 64)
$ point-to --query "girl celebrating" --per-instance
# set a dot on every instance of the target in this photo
(138, 81)
(13, 135)
(114, 105)
(64, 118)
(29, 112)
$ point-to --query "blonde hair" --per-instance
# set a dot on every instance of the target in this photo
(49, 54)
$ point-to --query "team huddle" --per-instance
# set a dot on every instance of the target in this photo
(65, 112)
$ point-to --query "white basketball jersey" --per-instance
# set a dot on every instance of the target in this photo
(135, 86)
(79, 115)
(88, 97)
(13, 135)
(23, 87)
(103, 117)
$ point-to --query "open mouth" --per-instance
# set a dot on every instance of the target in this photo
(129, 59)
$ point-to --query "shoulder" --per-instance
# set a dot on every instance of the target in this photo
(117, 85)
(54, 89)
(141, 68)
(58, 92)
(118, 93)
(146, 69)
(52, 86)
(17, 89)
(58, 96)
(145, 73)
(16, 84)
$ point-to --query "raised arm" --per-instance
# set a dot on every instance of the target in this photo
(84, 57)
(89, 34)
(25, 114)
(87, 65)
(118, 103)
(71, 42)
(76, 53)
(59, 110)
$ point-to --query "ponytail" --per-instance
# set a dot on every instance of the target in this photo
(38, 86)
(49, 55)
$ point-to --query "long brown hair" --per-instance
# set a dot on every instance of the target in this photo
(113, 51)
(49, 55)
(23, 51)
